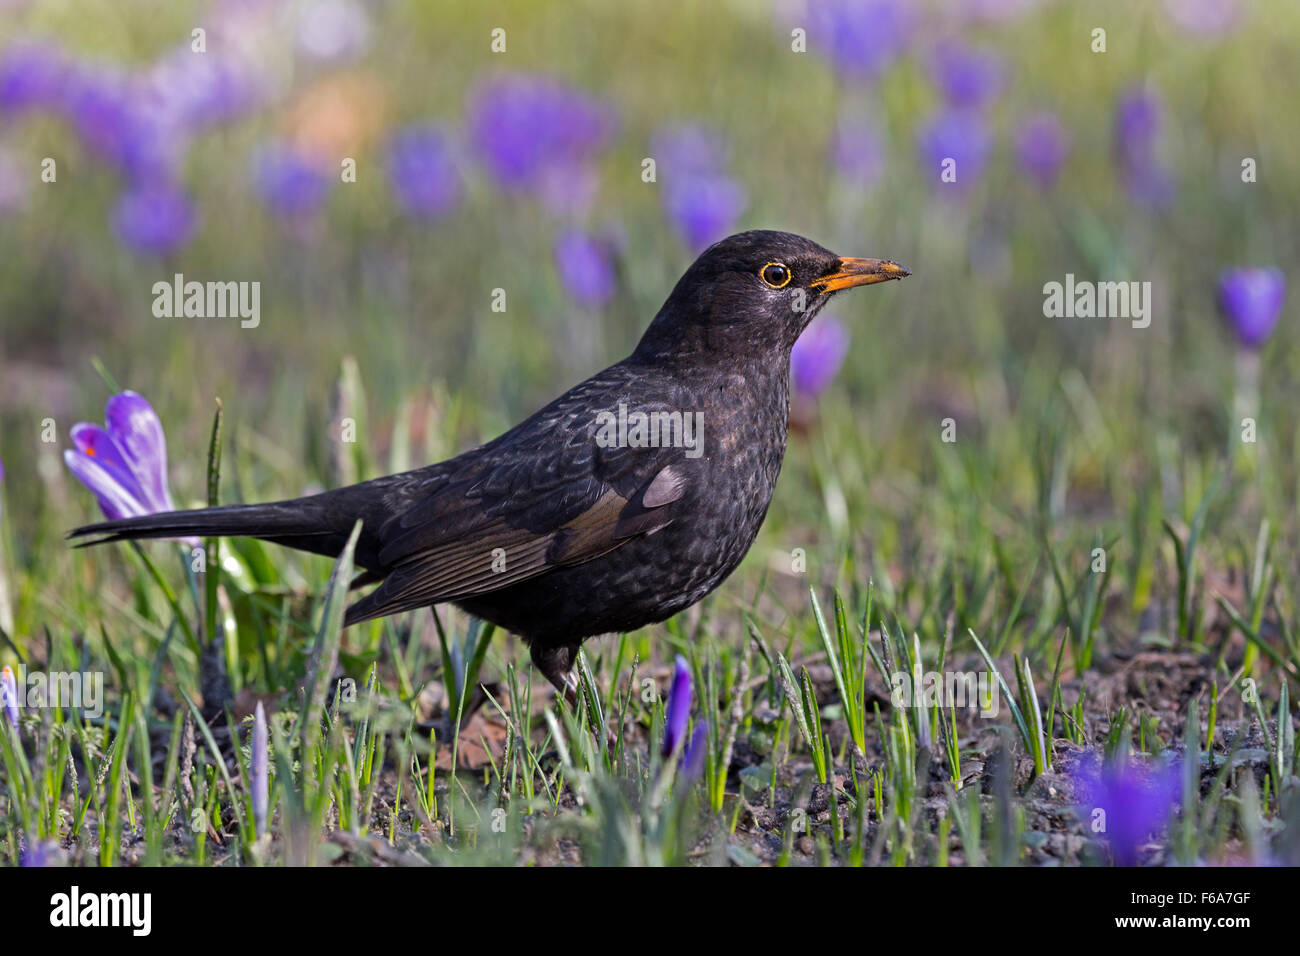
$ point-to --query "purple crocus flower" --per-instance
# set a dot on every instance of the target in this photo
(1042, 145)
(959, 135)
(1251, 301)
(125, 464)
(96, 101)
(818, 355)
(154, 219)
(258, 769)
(704, 209)
(1138, 117)
(861, 38)
(856, 152)
(9, 695)
(585, 268)
(32, 76)
(1127, 805)
(967, 77)
(423, 172)
(701, 200)
(119, 122)
(523, 125)
(288, 182)
(677, 713)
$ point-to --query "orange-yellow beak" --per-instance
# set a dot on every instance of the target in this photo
(854, 272)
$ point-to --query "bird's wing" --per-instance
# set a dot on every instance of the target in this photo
(543, 496)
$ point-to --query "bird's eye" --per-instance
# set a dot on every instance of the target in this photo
(775, 275)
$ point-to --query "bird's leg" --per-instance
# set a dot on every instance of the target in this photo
(555, 662)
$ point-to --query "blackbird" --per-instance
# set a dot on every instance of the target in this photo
(625, 500)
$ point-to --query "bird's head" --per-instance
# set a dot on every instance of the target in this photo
(753, 294)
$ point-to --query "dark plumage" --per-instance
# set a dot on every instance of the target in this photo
(549, 531)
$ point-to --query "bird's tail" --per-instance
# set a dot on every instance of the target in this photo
(320, 524)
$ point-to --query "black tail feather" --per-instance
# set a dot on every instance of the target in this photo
(319, 524)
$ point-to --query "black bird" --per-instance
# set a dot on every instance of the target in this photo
(588, 518)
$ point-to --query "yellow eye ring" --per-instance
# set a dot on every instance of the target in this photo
(775, 275)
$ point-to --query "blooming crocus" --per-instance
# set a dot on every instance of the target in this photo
(861, 38)
(968, 78)
(960, 136)
(9, 695)
(120, 124)
(258, 769)
(423, 173)
(154, 218)
(1127, 805)
(32, 76)
(701, 200)
(1138, 117)
(125, 464)
(818, 355)
(1251, 301)
(585, 268)
(525, 125)
(288, 182)
(677, 712)
(704, 209)
(1042, 146)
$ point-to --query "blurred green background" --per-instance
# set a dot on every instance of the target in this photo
(1066, 429)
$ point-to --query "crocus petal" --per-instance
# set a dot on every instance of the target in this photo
(136, 430)
(423, 172)
(1251, 300)
(678, 711)
(818, 355)
(115, 500)
(521, 124)
(98, 445)
(704, 208)
(585, 268)
(1135, 805)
